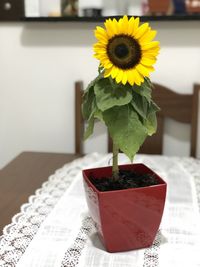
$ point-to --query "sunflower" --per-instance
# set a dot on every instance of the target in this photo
(126, 50)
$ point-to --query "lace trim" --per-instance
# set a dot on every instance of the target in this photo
(151, 255)
(73, 254)
(18, 235)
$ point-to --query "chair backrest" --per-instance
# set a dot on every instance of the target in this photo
(180, 107)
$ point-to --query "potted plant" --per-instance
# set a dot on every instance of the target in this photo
(126, 202)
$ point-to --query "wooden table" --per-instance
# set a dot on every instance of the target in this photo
(22, 176)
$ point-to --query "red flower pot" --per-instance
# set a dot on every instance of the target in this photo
(125, 219)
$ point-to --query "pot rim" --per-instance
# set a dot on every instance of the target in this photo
(162, 183)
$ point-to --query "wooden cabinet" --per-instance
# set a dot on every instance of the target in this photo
(11, 10)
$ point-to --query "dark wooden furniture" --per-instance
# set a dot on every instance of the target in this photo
(11, 10)
(180, 107)
(22, 176)
(171, 18)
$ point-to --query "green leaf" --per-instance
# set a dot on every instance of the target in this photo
(92, 83)
(143, 90)
(153, 107)
(100, 69)
(95, 114)
(89, 128)
(151, 123)
(148, 82)
(108, 96)
(125, 128)
(88, 103)
(140, 105)
(98, 114)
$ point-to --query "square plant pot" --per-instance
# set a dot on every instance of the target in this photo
(125, 219)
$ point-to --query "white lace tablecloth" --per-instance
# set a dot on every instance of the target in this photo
(55, 229)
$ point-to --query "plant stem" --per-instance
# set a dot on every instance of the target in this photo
(115, 168)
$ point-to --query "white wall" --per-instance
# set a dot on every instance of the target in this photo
(39, 63)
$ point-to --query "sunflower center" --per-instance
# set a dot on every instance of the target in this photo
(124, 51)
(121, 50)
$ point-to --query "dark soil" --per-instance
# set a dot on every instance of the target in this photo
(127, 179)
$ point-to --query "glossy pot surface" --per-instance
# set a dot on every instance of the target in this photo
(125, 219)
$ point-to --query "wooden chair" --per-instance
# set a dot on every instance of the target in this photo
(180, 107)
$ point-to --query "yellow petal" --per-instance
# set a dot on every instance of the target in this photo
(142, 70)
(150, 54)
(135, 26)
(102, 31)
(107, 64)
(108, 28)
(141, 30)
(139, 79)
(119, 76)
(115, 71)
(154, 44)
(100, 51)
(148, 36)
(111, 27)
(149, 68)
(131, 77)
(125, 78)
(115, 26)
(101, 38)
(103, 59)
(99, 45)
(134, 77)
(125, 24)
(147, 61)
(131, 25)
(107, 72)
(100, 56)
(120, 26)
